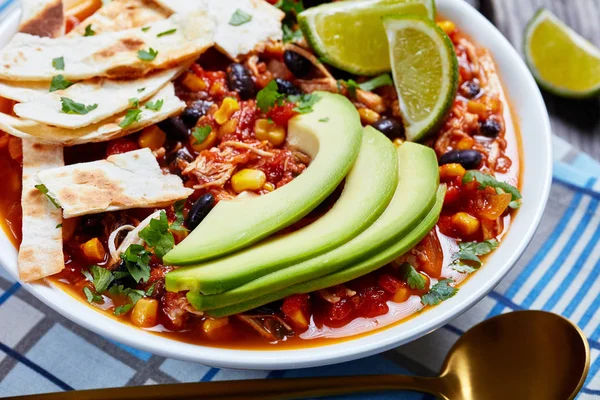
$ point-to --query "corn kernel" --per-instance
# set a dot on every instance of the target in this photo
(228, 127)
(447, 26)
(492, 104)
(228, 107)
(212, 326)
(398, 142)
(401, 295)
(248, 179)
(209, 142)
(193, 82)
(266, 130)
(368, 116)
(145, 313)
(269, 186)
(465, 143)
(452, 171)
(152, 137)
(478, 108)
(93, 250)
(15, 148)
(465, 223)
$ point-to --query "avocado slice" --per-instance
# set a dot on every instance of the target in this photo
(331, 135)
(345, 275)
(368, 189)
(412, 201)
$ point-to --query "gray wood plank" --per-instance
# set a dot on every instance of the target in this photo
(578, 121)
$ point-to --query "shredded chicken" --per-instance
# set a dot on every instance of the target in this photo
(371, 100)
(247, 146)
(214, 167)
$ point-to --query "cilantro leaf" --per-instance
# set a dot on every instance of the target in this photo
(350, 85)
(59, 83)
(155, 106)
(378, 81)
(42, 188)
(145, 29)
(134, 102)
(140, 90)
(91, 296)
(165, 33)
(414, 279)
(133, 115)
(268, 96)
(469, 252)
(89, 31)
(150, 290)
(58, 226)
(158, 236)
(290, 35)
(124, 309)
(147, 55)
(290, 6)
(136, 261)
(133, 294)
(240, 17)
(71, 107)
(326, 119)
(485, 180)
(200, 133)
(100, 277)
(58, 63)
(439, 292)
(177, 225)
(304, 102)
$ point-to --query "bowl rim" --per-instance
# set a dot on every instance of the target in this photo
(537, 185)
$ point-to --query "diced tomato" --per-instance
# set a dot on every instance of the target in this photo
(120, 146)
(389, 283)
(431, 256)
(281, 114)
(372, 302)
(341, 310)
(295, 308)
(491, 205)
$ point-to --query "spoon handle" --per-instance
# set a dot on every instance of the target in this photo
(264, 389)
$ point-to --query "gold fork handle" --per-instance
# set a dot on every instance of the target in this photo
(264, 389)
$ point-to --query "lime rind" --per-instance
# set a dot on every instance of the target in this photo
(543, 15)
(310, 18)
(416, 130)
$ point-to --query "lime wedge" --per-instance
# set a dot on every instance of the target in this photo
(425, 70)
(349, 34)
(562, 61)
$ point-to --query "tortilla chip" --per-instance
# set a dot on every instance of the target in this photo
(110, 96)
(108, 129)
(41, 252)
(111, 54)
(119, 15)
(122, 181)
(235, 41)
(42, 18)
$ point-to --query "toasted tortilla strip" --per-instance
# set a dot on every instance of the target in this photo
(111, 54)
(235, 41)
(111, 96)
(42, 18)
(122, 181)
(23, 91)
(119, 15)
(41, 252)
(108, 129)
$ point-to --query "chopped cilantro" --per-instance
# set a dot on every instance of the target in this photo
(145, 29)
(240, 17)
(133, 294)
(147, 55)
(200, 133)
(378, 81)
(92, 297)
(350, 85)
(89, 31)
(470, 252)
(58, 226)
(42, 188)
(489, 181)
(165, 33)
(158, 236)
(136, 260)
(439, 292)
(268, 96)
(414, 279)
(304, 102)
(58, 63)
(134, 102)
(290, 6)
(150, 290)
(71, 107)
(124, 309)
(100, 277)
(133, 115)
(155, 106)
(59, 83)
(324, 119)
(290, 35)
(177, 225)
(140, 90)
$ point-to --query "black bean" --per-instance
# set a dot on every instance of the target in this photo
(194, 111)
(490, 127)
(199, 211)
(313, 3)
(240, 79)
(92, 224)
(469, 159)
(298, 65)
(390, 127)
(470, 89)
(287, 87)
(175, 128)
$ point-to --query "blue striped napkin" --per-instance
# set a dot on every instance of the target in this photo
(41, 351)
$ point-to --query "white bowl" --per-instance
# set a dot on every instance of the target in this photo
(536, 179)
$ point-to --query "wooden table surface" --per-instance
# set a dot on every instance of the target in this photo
(577, 121)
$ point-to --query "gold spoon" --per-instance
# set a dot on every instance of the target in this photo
(520, 355)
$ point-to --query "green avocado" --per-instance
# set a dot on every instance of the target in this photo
(412, 201)
(368, 189)
(362, 268)
(331, 135)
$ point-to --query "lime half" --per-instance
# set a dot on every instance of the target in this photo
(562, 61)
(349, 34)
(425, 70)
